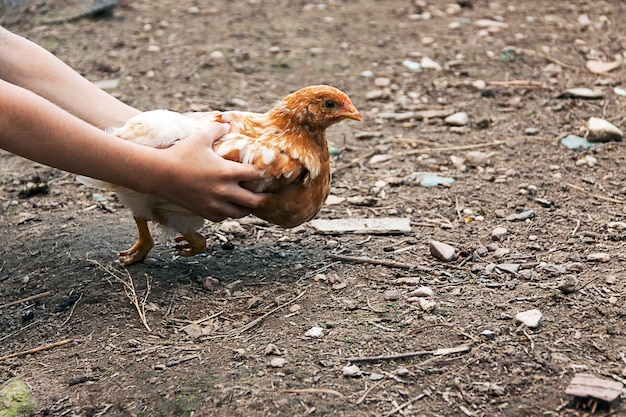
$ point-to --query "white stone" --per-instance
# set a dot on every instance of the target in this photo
(499, 233)
(442, 251)
(351, 371)
(457, 119)
(531, 318)
(601, 130)
(314, 332)
(278, 362)
(428, 63)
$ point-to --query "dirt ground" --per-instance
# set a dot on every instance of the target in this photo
(229, 330)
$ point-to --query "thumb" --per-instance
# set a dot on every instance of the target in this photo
(212, 132)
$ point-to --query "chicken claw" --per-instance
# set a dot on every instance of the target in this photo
(140, 249)
(194, 244)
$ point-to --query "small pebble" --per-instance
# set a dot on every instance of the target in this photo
(391, 295)
(314, 332)
(457, 119)
(531, 318)
(499, 233)
(442, 251)
(422, 292)
(601, 130)
(351, 371)
(272, 349)
(278, 362)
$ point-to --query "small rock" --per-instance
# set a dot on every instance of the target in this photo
(402, 372)
(351, 371)
(314, 332)
(531, 131)
(510, 268)
(499, 233)
(422, 292)
(295, 308)
(427, 304)
(487, 23)
(524, 215)
(600, 67)
(408, 280)
(272, 349)
(598, 257)
(477, 157)
(382, 82)
(278, 362)
(488, 334)
(428, 63)
(531, 318)
(391, 295)
(585, 93)
(376, 377)
(442, 251)
(602, 131)
(412, 65)
(210, 283)
(568, 284)
(457, 119)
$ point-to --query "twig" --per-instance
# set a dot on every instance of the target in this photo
(462, 333)
(315, 391)
(355, 161)
(366, 393)
(72, 311)
(182, 360)
(437, 352)
(599, 197)
(264, 316)
(547, 58)
(24, 300)
(406, 404)
(455, 148)
(382, 262)
(129, 289)
(20, 330)
(37, 349)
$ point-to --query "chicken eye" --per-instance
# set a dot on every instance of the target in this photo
(329, 104)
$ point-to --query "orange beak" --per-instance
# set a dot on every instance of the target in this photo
(350, 112)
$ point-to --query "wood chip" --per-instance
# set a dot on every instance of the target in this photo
(590, 386)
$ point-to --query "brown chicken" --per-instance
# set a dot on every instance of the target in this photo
(287, 144)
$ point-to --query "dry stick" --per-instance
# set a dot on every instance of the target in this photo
(37, 349)
(599, 197)
(437, 352)
(354, 161)
(456, 148)
(428, 326)
(129, 289)
(264, 316)
(20, 330)
(24, 300)
(383, 262)
(315, 391)
(548, 58)
(406, 404)
(366, 393)
(182, 360)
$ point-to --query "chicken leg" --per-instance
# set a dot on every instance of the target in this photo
(195, 244)
(140, 249)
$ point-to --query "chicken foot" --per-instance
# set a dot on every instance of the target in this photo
(140, 249)
(194, 244)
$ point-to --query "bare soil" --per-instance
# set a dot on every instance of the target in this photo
(212, 317)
